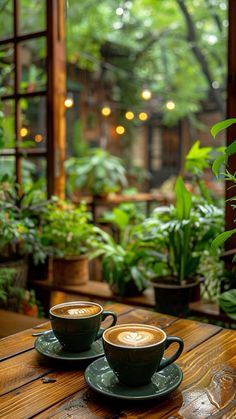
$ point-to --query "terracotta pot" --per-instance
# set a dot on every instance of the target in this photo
(174, 299)
(71, 270)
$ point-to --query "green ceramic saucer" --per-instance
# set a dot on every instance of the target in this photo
(48, 345)
(101, 378)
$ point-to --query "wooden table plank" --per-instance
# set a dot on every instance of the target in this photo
(20, 342)
(208, 363)
(208, 390)
(24, 341)
(32, 398)
(21, 369)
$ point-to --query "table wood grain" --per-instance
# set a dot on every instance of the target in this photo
(208, 389)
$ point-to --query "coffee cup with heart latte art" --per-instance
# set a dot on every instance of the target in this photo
(135, 351)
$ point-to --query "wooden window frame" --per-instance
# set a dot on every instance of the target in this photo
(54, 93)
(231, 113)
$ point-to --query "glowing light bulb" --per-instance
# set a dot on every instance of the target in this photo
(129, 115)
(120, 129)
(143, 116)
(38, 138)
(146, 94)
(24, 132)
(69, 102)
(106, 111)
(170, 105)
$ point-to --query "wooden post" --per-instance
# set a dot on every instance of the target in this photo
(56, 88)
(230, 214)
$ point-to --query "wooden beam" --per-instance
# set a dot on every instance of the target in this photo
(56, 88)
(230, 214)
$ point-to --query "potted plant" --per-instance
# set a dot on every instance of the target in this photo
(227, 300)
(123, 256)
(180, 234)
(68, 235)
(98, 173)
(20, 216)
(16, 298)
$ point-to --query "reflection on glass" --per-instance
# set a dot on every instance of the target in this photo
(6, 69)
(34, 170)
(7, 166)
(8, 123)
(6, 19)
(35, 20)
(33, 122)
(33, 65)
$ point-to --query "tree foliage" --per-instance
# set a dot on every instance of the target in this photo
(175, 47)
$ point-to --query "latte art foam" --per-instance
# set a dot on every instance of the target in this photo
(76, 310)
(133, 336)
(140, 338)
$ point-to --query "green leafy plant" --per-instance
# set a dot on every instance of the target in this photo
(124, 259)
(98, 173)
(217, 170)
(197, 161)
(227, 302)
(67, 230)
(20, 218)
(181, 234)
(7, 288)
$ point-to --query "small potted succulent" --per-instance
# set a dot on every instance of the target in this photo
(181, 234)
(68, 236)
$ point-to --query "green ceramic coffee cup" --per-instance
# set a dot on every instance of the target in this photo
(135, 352)
(77, 324)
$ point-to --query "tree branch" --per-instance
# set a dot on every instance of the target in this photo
(192, 39)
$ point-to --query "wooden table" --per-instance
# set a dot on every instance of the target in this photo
(208, 388)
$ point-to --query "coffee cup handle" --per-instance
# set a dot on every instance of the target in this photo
(105, 314)
(172, 358)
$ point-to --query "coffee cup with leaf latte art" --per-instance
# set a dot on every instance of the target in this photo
(77, 324)
(135, 351)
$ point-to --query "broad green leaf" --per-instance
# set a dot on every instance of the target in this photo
(219, 240)
(183, 200)
(227, 302)
(218, 163)
(222, 125)
(231, 149)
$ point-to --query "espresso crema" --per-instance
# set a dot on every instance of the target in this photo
(133, 336)
(76, 310)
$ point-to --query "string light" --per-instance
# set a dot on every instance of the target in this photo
(106, 111)
(146, 94)
(38, 138)
(120, 129)
(129, 115)
(24, 132)
(170, 105)
(69, 101)
(143, 116)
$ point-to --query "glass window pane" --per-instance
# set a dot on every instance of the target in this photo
(33, 170)
(7, 124)
(7, 166)
(6, 19)
(32, 16)
(6, 69)
(33, 122)
(33, 65)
